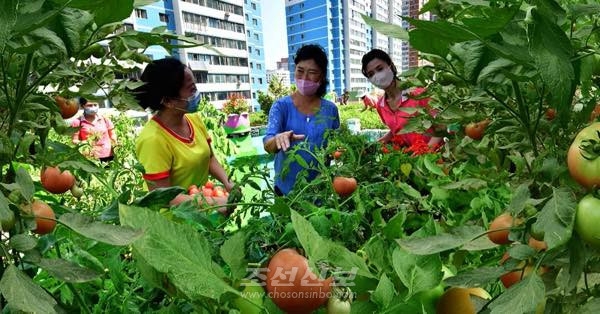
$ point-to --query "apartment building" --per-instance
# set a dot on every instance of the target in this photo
(338, 26)
(234, 64)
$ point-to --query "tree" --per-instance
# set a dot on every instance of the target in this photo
(276, 90)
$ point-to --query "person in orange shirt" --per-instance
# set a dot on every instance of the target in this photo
(98, 130)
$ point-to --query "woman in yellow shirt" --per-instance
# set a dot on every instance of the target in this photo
(174, 146)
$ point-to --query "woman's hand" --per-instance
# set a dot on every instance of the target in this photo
(228, 185)
(283, 139)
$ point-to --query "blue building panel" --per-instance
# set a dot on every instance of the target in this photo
(149, 17)
(256, 52)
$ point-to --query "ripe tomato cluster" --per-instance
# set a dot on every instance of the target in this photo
(209, 189)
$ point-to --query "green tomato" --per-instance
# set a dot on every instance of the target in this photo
(337, 306)
(587, 220)
(251, 300)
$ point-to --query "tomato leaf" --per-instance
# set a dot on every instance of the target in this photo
(590, 307)
(23, 242)
(519, 199)
(477, 277)
(417, 272)
(178, 251)
(523, 297)
(159, 197)
(570, 275)
(67, 271)
(384, 293)
(442, 242)
(23, 294)
(111, 234)
(232, 253)
(556, 218)
(23, 179)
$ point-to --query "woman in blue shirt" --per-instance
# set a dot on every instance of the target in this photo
(303, 116)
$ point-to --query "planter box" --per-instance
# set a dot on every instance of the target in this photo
(237, 123)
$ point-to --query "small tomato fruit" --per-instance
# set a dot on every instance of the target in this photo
(458, 300)
(68, 107)
(582, 157)
(207, 192)
(337, 154)
(76, 191)
(7, 219)
(475, 130)
(344, 186)
(550, 114)
(55, 181)
(587, 220)
(209, 185)
(337, 306)
(193, 189)
(45, 219)
(502, 224)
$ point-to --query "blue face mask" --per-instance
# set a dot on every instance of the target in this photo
(193, 102)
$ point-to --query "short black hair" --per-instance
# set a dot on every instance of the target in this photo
(82, 101)
(316, 53)
(377, 54)
(163, 78)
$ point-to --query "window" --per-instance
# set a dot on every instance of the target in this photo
(256, 36)
(257, 51)
(247, 17)
(254, 22)
(251, 65)
(259, 66)
(163, 17)
(140, 13)
(250, 49)
(260, 80)
(253, 6)
(248, 33)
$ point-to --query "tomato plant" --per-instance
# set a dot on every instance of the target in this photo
(458, 300)
(68, 107)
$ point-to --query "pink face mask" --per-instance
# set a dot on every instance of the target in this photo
(307, 87)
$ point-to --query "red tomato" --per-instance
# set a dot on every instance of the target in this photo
(475, 130)
(44, 217)
(209, 184)
(55, 181)
(515, 276)
(337, 154)
(68, 107)
(582, 159)
(503, 222)
(291, 284)
(218, 193)
(550, 114)
(207, 192)
(537, 244)
(193, 189)
(344, 186)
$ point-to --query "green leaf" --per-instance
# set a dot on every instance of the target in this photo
(22, 294)
(23, 179)
(466, 184)
(519, 199)
(489, 20)
(592, 306)
(318, 248)
(23, 242)
(67, 271)
(8, 20)
(552, 52)
(111, 234)
(387, 29)
(105, 11)
(570, 275)
(159, 197)
(522, 297)
(176, 250)
(409, 190)
(442, 242)
(384, 293)
(578, 10)
(70, 26)
(417, 272)
(232, 253)
(421, 40)
(478, 277)
(556, 218)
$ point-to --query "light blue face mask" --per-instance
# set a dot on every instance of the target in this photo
(193, 102)
(90, 110)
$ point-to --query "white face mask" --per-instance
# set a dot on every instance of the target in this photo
(383, 78)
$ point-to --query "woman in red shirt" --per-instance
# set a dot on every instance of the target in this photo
(378, 67)
(96, 129)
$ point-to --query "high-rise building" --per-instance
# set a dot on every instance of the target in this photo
(279, 74)
(234, 64)
(256, 51)
(339, 28)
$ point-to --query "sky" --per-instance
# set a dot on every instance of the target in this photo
(274, 32)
